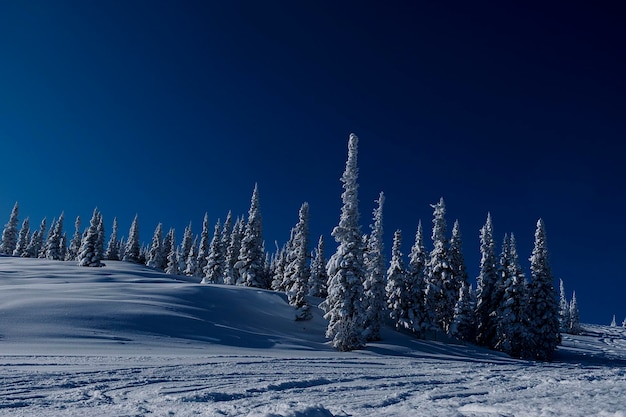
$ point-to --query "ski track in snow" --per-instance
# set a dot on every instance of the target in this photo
(280, 386)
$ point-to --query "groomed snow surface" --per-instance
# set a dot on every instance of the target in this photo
(125, 340)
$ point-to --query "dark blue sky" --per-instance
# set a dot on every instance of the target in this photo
(170, 109)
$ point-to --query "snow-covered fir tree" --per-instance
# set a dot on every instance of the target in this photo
(227, 230)
(250, 263)
(44, 239)
(23, 238)
(63, 248)
(497, 295)
(297, 272)
(10, 233)
(155, 254)
(132, 249)
(72, 252)
(512, 335)
(172, 261)
(457, 260)
(184, 249)
(278, 270)
(272, 259)
(487, 281)
(122, 245)
(214, 269)
(113, 247)
(543, 309)
(344, 305)
(267, 269)
(36, 241)
(280, 280)
(375, 278)
(191, 266)
(416, 285)
(319, 279)
(173, 265)
(53, 243)
(441, 289)
(143, 254)
(168, 245)
(88, 253)
(100, 240)
(203, 249)
(563, 309)
(398, 290)
(231, 275)
(574, 316)
(504, 261)
(613, 322)
(463, 326)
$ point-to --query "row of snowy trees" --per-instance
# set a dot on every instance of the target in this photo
(234, 255)
(430, 295)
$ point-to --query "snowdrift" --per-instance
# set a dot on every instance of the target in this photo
(51, 306)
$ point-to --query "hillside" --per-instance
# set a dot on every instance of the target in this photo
(127, 340)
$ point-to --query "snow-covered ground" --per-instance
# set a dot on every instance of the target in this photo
(125, 340)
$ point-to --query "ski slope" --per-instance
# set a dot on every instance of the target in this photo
(125, 340)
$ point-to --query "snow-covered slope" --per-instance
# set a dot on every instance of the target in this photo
(126, 306)
(126, 340)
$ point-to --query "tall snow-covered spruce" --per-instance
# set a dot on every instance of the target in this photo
(399, 292)
(463, 324)
(88, 254)
(100, 238)
(564, 320)
(441, 289)
(24, 236)
(457, 260)
(319, 279)
(9, 234)
(375, 279)
(574, 316)
(543, 307)
(214, 269)
(297, 272)
(512, 334)
(173, 262)
(203, 249)
(132, 252)
(251, 262)
(113, 247)
(35, 242)
(487, 281)
(155, 255)
(184, 249)
(231, 274)
(53, 247)
(416, 284)
(72, 252)
(191, 263)
(344, 305)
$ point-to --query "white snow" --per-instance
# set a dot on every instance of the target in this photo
(125, 340)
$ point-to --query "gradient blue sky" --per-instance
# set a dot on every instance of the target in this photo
(169, 109)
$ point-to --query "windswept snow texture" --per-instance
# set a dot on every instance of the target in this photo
(124, 340)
